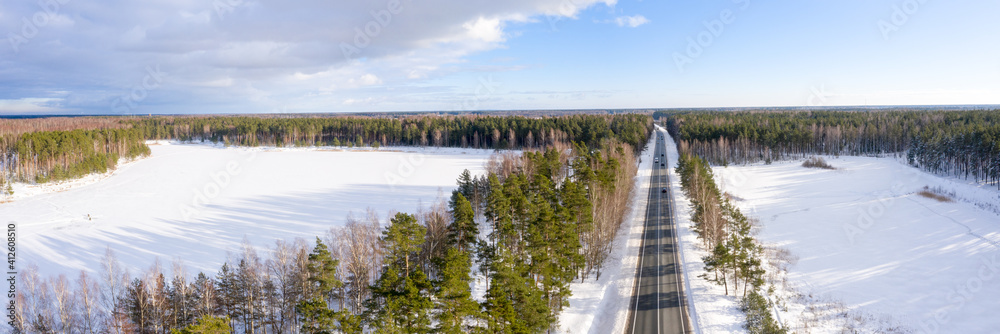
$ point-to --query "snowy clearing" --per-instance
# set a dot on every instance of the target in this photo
(712, 311)
(872, 253)
(197, 202)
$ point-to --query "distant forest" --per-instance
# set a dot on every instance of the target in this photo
(537, 221)
(45, 149)
(962, 143)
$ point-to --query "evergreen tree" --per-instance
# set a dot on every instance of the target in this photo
(465, 184)
(716, 262)
(452, 288)
(463, 231)
(322, 270)
(138, 304)
(454, 295)
(227, 294)
(315, 312)
(514, 303)
(401, 300)
(206, 325)
(203, 296)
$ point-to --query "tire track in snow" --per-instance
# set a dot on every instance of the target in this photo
(967, 228)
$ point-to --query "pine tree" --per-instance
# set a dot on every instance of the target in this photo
(514, 303)
(452, 288)
(454, 295)
(316, 316)
(497, 213)
(578, 218)
(400, 300)
(315, 312)
(203, 296)
(716, 262)
(206, 325)
(463, 231)
(138, 303)
(322, 270)
(227, 294)
(465, 184)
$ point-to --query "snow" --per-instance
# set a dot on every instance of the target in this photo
(601, 306)
(198, 202)
(872, 253)
(712, 311)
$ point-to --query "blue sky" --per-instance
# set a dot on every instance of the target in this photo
(244, 56)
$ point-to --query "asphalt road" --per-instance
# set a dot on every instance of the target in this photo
(658, 304)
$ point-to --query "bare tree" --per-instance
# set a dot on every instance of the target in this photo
(116, 280)
(204, 296)
(250, 273)
(88, 296)
(436, 220)
(44, 317)
(180, 296)
(156, 292)
(281, 268)
(337, 246)
(65, 304)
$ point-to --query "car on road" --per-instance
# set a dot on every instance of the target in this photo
(663, 165)
(664, 190)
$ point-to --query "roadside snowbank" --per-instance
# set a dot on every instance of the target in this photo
(601, 306)
(712, 310)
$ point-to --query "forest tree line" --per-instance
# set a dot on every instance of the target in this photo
(735, 257)
(510, 132)
(534, 223)
(44, 149)
(58, 155)
(955, 142)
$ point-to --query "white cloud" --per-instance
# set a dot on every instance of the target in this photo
(366, 80)
(221, 82)
(487, 30)
(264, 50)
(29, 105)
(631, 21)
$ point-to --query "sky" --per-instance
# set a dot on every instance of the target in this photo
(302, 56)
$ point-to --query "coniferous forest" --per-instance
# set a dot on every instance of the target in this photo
(534, 223)
(957, 143)
(40, 150)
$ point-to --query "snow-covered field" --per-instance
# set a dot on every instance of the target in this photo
(198, 202)
(872, 253)
(712, 310)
